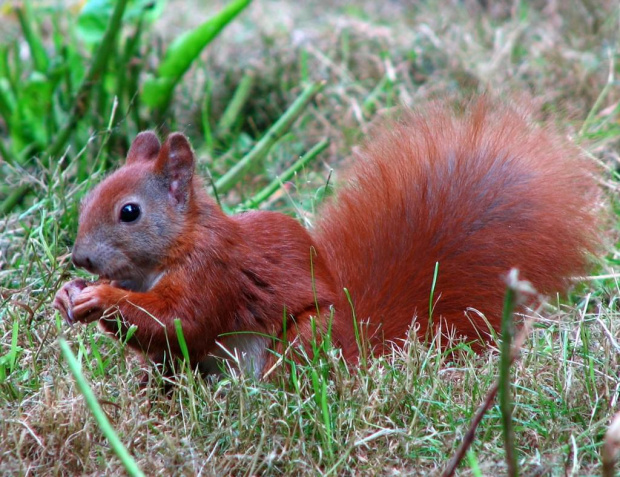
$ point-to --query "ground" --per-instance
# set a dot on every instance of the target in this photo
(405, 413)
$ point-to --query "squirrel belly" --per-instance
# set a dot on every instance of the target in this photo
(476, 193)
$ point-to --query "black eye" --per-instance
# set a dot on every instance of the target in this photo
(130, 212)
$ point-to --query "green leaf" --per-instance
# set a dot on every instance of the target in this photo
(95, 16)
(156, 91)
(93, 20)
(183, 51)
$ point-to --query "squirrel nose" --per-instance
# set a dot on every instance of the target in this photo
(81, 260)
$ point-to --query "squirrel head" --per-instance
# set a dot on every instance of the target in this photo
(129, 222)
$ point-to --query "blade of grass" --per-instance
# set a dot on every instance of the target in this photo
(207, 131)
(599, 100)
(26, 20)
(431, 305)
(327, 421)
(275, 184)
(8, 103)
(4, 154)
(473, 464)
(236, 104)
(125, 87)
(178, 327)
(15, 197)
(104, 424)
(14, 347)
(96, 70)
(262, 147)
(360, 338)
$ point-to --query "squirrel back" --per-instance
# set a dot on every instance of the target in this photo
(476, 194)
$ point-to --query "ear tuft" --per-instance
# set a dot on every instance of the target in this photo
(176, 163)
(144, 147)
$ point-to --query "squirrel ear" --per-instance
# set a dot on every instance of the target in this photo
(176, 163)
(144, 147)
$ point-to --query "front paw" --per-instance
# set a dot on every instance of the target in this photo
(93, 301)
(65, 298)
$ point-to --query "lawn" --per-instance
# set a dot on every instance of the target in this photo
(278, 81)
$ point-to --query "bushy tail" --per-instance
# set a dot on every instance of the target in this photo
(477, 193)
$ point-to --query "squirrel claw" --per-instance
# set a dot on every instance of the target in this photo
(65, 297)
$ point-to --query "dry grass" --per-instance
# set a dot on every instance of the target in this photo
(407, 413)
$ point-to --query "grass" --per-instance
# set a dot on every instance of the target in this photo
(405, 413)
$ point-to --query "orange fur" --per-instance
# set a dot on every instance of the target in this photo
(479, 194)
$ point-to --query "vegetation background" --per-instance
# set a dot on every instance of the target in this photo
(67, 115)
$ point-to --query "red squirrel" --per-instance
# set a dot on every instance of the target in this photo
(478, 193)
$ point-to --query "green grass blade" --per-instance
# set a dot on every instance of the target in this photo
(104, 424)
(96, 70)
(8, 103)
(234, 108)
(178, 327)
(14, 198)
(260, 150)
(275, 184)
(431, 304)
(360, 338)
(15, 349)
(4, 154)
(33, 38)
(473, 464)
(327, 421)
(207, 131)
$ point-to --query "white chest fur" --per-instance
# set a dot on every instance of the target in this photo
(247, 352)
